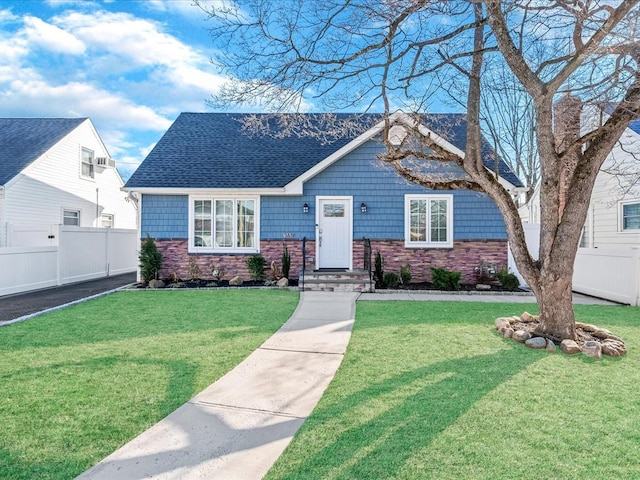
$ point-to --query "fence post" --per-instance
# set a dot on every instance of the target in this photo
(636, 275)
(58, 230)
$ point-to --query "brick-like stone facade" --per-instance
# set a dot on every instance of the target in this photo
(463, 257)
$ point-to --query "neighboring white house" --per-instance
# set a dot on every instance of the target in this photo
(608, 261)
(57, 171)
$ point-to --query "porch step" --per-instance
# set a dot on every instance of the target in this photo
(328, 281)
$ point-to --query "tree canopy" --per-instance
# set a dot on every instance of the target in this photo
(363, 55)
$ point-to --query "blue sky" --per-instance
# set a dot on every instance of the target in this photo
(131, 66)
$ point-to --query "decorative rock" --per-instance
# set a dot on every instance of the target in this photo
(569, 347)
(156, 283)
(551, 347)
(528, 318)
(536, 343)
(521, 336)
(507, 332)
(482, 286)
(283, 282)
(502, 323)
(236, 281)
(592, 349)
(613, 348)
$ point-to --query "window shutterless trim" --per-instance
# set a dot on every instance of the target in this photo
(193, 245)
(428, 242)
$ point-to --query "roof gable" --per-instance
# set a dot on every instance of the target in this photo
(211, 151)
(24, 140)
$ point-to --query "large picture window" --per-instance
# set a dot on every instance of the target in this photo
(224, 224)
(429, 221)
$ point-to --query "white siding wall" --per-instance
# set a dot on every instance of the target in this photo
(52, 183)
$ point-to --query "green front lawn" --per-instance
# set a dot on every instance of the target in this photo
(78, 383)
(431, 391)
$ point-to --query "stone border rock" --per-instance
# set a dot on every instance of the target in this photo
(592, 340)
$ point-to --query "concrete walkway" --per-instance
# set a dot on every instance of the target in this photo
(422, 295)
(238, 427)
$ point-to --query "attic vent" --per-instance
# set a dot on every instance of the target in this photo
(397, 134)
(105, 162)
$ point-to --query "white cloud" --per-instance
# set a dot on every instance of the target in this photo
(79, 100)
(50, 37)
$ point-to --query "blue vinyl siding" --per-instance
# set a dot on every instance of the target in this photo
(360, 175)
(165, 216)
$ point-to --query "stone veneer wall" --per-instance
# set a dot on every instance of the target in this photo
(463, 257)
(175, 259)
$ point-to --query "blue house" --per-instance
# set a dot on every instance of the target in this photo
(214, 193)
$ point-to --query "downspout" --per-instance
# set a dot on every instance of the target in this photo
(97, 207)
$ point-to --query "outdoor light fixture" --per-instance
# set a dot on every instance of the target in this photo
(363, 207)
(305, 208)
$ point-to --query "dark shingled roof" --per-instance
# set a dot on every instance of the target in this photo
(23, 140)
(210, 150)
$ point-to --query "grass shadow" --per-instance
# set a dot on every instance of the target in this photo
(379, 447)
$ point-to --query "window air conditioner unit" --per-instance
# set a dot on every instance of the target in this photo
(105, 162)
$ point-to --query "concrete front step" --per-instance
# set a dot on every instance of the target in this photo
(350, 281)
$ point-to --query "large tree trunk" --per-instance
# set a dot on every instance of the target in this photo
(555, 301)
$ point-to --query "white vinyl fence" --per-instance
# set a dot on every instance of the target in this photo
(80, 254)
(612, 274)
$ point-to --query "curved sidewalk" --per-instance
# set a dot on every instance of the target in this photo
(239, 426)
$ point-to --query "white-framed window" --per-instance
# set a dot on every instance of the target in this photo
(630, 216)
(87, 168)
(428, 221)
(107, 220)
(224, 224)
(71, 217)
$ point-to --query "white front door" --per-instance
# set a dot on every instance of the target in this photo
(333, 236)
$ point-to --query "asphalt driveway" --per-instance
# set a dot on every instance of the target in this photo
(19, 305)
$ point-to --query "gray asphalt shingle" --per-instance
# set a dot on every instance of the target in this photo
(211, 150)
(23, 140)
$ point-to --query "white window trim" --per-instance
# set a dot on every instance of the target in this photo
(93, 163)
(621, 229)
(74, 210)
(407, 221)
(212, 249)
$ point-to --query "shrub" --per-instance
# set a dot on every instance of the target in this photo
(405, 274)
(286, 261)
(378, 272)
(255, 264)
(391, 280)
(509, 281)
(150, 260)
(193, 270)
(444, 279)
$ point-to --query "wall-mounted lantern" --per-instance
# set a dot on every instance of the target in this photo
(305, 208)
(363, 207)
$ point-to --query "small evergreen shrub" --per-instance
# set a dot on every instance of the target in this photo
(378, 270)
(391, 280)
(510, 282)
(286, 261)
(405, 274)
(444, 279)
(256, 264)
(150, 260)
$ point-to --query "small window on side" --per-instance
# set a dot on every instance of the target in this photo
(87, 167)
(71, 217)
